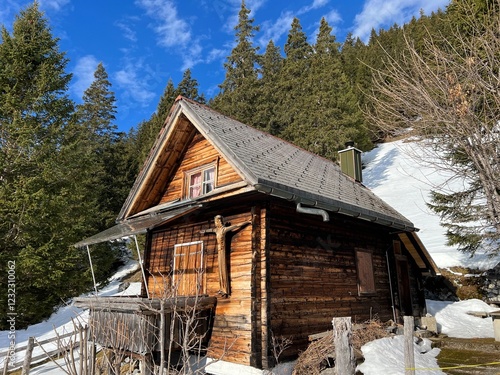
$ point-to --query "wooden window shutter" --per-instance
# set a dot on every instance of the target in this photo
(188, 275)
(364, 265)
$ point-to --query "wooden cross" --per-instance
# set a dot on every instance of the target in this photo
(220, 231)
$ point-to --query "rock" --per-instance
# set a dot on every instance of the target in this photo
(123, 286)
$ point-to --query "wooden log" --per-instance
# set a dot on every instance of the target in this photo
(408, 345)
(27, 358)
(345, 362)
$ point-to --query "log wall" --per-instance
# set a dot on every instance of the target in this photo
(312, 273)
(232, 328)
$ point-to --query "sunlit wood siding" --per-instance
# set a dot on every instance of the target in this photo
(232, 330)
(199, 153)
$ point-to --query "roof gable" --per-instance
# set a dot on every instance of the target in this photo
(267, 163)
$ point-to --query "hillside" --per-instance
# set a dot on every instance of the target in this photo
(404, 182)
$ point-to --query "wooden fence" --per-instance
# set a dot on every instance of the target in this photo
(64, 343)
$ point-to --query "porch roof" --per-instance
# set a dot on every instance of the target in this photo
(140, 224)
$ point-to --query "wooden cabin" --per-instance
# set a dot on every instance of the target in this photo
(274, 240)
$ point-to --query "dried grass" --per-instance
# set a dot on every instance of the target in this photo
(319, 353)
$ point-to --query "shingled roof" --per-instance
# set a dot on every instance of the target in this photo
(274, 166)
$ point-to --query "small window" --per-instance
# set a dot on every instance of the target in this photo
(366, 279)
(201, 182)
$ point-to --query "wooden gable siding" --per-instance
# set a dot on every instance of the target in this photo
(232, 330)
(199, 153)
(313, 276)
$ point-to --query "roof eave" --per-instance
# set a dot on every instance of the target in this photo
(334, 206)
(150, 162)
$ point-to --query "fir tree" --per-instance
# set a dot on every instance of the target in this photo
(40, 211)
(291, 81)
(239, 90)
(265, 116)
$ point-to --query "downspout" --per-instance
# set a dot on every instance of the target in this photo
(313, 211)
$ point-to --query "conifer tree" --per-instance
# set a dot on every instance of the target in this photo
(327, 110)
(188, 87)
(40, 211)
(265, 116)
(239, 90)
(291, 81)
(97, 130)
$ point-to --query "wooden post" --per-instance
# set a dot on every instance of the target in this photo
(408, 345)
(162, 335)
(92, 358)
(27, 358)
(345, 363)
(6, 362)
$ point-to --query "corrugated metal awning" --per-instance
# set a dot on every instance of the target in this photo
(138, 225)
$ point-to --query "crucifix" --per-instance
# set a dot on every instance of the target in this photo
(220, 231)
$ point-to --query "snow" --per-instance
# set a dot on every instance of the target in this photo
(62, 321)
(466, 326)
(386, 357)
(397, 173)
(403, 183)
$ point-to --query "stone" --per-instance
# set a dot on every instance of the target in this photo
(430, 323)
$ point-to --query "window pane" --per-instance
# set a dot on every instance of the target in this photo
(208, 180)
(195, 185)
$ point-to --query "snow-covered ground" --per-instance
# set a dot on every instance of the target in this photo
(395, 174)
(62, 321)
(403, 183)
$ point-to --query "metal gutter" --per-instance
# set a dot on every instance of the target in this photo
(334, 206)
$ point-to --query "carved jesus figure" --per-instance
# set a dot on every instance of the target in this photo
(220, 231)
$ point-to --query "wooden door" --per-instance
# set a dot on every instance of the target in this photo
(189, 270)
(405, 302)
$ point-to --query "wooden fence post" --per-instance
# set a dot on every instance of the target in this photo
(408, 345)
(27, 358)
(6, 362)
(345, 363)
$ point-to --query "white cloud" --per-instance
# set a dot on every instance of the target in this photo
(83, 74)
(315, 5)
(53, 4)
(128, 32)
(134, 87)
(216, 54)
(193, 57)
(274, 30)
(170, 29)
(377, 14)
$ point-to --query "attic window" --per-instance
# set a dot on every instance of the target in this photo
(366, 279)
(200, 181)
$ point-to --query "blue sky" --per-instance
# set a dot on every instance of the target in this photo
(144, 43)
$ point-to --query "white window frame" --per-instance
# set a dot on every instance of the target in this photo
(206, 185)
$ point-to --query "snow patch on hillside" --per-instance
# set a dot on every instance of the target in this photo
(395, 175)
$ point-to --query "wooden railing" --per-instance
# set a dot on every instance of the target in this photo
(64, 343)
